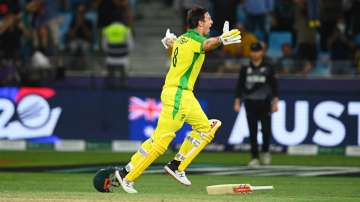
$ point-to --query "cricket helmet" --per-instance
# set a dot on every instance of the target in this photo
(104, 179)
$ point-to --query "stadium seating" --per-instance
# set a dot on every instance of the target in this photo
(65, 27)
(276, 40)
(322, 65)
(357, 39)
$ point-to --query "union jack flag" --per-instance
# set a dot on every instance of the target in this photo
(143, 116)
(149, 108)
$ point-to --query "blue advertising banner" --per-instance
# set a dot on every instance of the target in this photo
(27, 112)
(326, 121)
(321, 116)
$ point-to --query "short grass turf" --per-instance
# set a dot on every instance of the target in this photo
(52, 158)
(162, 188)
(78, 187)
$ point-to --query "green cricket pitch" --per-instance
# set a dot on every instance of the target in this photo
(49, 186)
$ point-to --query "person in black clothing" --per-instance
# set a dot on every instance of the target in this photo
(257, 88)
(80, 38)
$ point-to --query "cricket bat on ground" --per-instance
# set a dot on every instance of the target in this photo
(234, 188)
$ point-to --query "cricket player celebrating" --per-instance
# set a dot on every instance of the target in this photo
(179, 102)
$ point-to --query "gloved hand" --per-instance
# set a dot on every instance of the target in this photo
(168, 38)
(230, 37)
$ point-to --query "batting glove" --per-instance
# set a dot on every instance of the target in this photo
(168, 36)
(230, 37)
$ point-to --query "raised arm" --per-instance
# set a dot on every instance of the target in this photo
(226, 38)
(211, 43)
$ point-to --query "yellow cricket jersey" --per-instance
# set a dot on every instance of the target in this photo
(186, 60)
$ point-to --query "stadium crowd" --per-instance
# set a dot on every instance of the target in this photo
(40, 36)
(301, 36)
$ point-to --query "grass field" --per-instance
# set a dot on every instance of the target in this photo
(78, 187)
(52, 158)
(43, 186)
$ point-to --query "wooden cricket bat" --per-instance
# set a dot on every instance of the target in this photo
(234, 188)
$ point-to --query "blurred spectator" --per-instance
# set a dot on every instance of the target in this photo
(104, 9)
(242, 49)
(72, 5)
(257, 12)
(287, 62)
(9, 6)
(247, 39)
(44, 43)
(305, 38)
(42, 11)
(214, 61)
(117, 43)
(122, 13)
(80, 38)
(110, 11)
(236, 53)
(39, 13)
(8, 75)
(27, 19)
(168, 3)
(330, 11)
(42, 20)
(357, 59)
(313, 8)
(232, 59)
(182, 6)
(11, 31)
(267, 58)
(137, 12)
(340, 51)
(352, 16)
(241, 14)
(283, 15)
(222, 11)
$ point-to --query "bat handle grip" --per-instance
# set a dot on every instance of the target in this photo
(244, 188)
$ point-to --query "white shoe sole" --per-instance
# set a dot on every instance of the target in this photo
(172, 174)
(254, 166)
(119, 178)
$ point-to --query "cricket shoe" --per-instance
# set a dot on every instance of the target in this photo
(126, 185)
(265, 158)
(254, 163)
(215, 124)
(178, 175)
